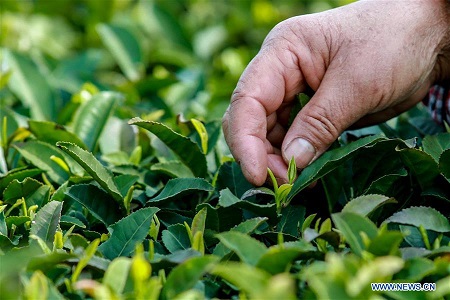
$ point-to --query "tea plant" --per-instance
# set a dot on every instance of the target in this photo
(116, 183)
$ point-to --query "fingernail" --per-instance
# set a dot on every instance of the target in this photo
(301, 150)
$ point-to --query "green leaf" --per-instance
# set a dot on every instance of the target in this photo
(351, 226)
(180, 187)
(248, 249)
(176, 238)
(230, 176)
(173, 169)
(91, 117)
(52, 133)
(46, 222)
(251, 280)
(97, 201)
(278, 258)
(444, 164)
(124, 48)
(422, 165)
(187, 150)
(187, 274)
(364, 205)
(17, 174)
(328, 162)
(39, 154)
(127, 233)
(116, 275)
(102, 175)
(386, 243)
(434, 145)
(427, 217)
(47, 262)
(124, 182)
(198, 223)
(30, 86)
(291, 218)
(201, 130)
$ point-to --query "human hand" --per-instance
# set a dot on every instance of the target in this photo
(367, 62)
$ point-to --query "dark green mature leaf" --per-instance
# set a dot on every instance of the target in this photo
(124, 47)
(422, 165)
(46, 262)
(186, 275)
(247, 227)
(52, 133)
(124, 182)
(39, 153)
(248, 249)
(329, 161)
(176, 238)
(352, 225)
(26, 189)
(364, 205)
(180, 187)
(230, 176)
(427, 217)
(227, 199)
(291, 218)
(97, 201)
(46, 222)
(17, 174)
(127, 233)
(30, 86)
(187, 150)
(92, 116)
(444, 164)
(434, 145)
(102, 175)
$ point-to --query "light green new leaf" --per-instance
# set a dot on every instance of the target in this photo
(198, 223)
(128, 232)
(97, 201)
(248, 249)
(352, 225)
(92, 116)
(39, 154)
(250, 280)
(94, 168)
(201, 130)
(30, 86)
(124, 48)
(179, 187)
(364, 205)
(187, 274)
(427, 217)
(187, 150)
(328, 162)
(116, 275)
(46, 222)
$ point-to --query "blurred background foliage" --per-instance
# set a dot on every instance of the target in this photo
(167, 57)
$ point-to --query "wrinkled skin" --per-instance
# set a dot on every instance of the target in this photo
(366, 62)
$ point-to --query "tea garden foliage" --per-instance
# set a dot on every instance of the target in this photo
(115, 181)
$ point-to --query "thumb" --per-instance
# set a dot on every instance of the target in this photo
(329, 112)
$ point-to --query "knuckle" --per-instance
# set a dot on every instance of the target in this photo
(324, 125)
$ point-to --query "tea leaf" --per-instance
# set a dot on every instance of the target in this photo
(366, 204)
(248, 249)
(187, 274)
(92, 116)
(187, 150)
(128, 232)
(97, 201)
(46, 222)
(352, 226)
(180, 187)
(434, 145)
(52, 133)
(124, 47)
(427, 217)
(176, 238)
(102, 175)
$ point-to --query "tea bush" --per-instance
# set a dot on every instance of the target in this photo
(116, 183)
